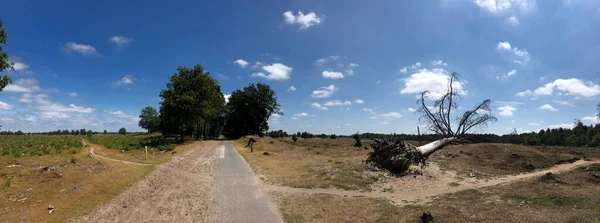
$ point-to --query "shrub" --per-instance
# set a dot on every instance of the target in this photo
(333, 136)
(356, 137)
(122, 131)
(295, 138)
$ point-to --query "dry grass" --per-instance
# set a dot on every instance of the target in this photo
(74, 189)
(573, 197)
(494, 159)
(138, 156)
(309, 163)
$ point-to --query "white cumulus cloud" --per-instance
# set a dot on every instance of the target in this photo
(324, 92)
(506, 110)
(241, 63)
(503, 46)
(513, 20)
(548, 107)
(332, 75)
(338, 103)
(276, 71)
(304, 21)
(83, 49)
(571, 86)
(358, 101)
(292, 88)
(124, 81)
(120, 41)
(6, 106)
(318, 106)
(435, 81)
(390, 115)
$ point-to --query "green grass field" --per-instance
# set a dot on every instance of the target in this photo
(38, 145)
(134, 142)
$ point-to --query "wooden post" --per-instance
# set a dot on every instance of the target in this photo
(419, 133)
(146, 148)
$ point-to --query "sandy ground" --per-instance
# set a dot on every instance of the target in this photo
(421, 189)
(177, 191)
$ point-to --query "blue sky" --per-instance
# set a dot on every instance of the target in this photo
(354, 65)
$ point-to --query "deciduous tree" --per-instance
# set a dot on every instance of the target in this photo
(249, 109)
(149, 119)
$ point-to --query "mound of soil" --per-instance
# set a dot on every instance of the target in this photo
(550, 178)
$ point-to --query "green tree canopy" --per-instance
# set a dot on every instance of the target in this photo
(122, 131)
(4, 63)
(149, 119)
(192, 103)
(249, 109)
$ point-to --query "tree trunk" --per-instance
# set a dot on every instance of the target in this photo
(198, 131)
(431, 147)
(182, 137)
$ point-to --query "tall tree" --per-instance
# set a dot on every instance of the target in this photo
(149, 119)
(249, 109)
(4, 63)
(191, 102)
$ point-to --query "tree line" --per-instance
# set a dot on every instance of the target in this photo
(193, 105)
(64, 132)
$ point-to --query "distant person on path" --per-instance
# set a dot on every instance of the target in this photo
(250, 142)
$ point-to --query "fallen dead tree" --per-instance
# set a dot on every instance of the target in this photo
(396, 156)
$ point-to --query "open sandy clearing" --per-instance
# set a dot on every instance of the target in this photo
(403, 195)
(177, 191)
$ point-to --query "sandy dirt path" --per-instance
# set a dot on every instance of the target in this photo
(177, 191)
(434, 188)
(92, 151)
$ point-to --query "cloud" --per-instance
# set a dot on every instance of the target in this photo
(324, 92)
(548, 107)
(275, 117)
(503, 46)
(523, 55)
(242, 63)
(318, 106)
(404, 70)
(412, 110)
(120, 41)
(303, 114)
(565, 103)
(513, 20)
(305, 21)
(439, 63)
(226, 96)
(533, 124)
(350, 68)
(564, 126)
(332, 75)
(435, 81)
(506, 110)
(275, 71)
(24, 85)
(6, 106)
(415, 66)
(390, 115)
(593, 119)
(338, 103)
(511, 73)
(500, 6)
(321, 61)
(123, 115)
(73, 94)
(571, 86)
(292, 88)
(83, 49)
(358, 101)
(126, 80)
